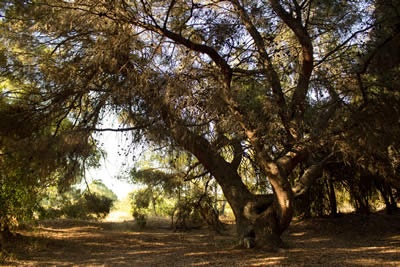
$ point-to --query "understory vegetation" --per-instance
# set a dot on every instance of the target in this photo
(95, 202)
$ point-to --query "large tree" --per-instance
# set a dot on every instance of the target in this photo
(277, 82)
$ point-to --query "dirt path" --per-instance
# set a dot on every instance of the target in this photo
(347, 241)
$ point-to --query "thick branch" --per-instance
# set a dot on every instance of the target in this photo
(290, 160)
(205, 49)
(237, 154)
(295, 24)
(307, 179)
(269, 70)
(312, 173)
(227, 177)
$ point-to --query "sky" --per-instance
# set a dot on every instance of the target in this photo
(114, 163)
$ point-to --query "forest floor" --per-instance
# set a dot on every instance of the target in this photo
(350, 240)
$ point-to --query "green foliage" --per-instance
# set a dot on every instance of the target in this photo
(17, 203)
(29, 165)
(140, 201)
(140, 217)
(146, 202)
(35, 152)
(98, 204)
(97, 187)
(188, 204)
(77, 204)
(159, 195)
(186, 214)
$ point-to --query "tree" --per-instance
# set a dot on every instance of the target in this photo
(93, 203)
(158, 188)
(276, 80)
(97, 187)
(186, 186)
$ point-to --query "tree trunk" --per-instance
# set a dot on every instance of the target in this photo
(259, 224)
(260, 219)
(5, 236)
(153, 204)
(211, 216)
(387, 195)
(332, 198)
(221, 210)
(393, 201)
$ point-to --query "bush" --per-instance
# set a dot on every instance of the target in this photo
(97, 204)
(74, 205)
(140, 218)
(77, 210)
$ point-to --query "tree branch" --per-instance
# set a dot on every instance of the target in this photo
(337, 48)
(295, 24)
(171, 5)
(312, 173)
(307, 179)
(117, 129)
(267, 62)
(237, 154)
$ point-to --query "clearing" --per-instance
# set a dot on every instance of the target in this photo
(350, 240)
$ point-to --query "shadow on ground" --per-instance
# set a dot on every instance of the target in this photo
(350, 240)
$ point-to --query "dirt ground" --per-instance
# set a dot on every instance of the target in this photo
(349, 240)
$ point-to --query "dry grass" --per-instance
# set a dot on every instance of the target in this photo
(350, 240)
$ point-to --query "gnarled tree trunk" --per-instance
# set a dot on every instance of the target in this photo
(260, 219)
(258, 225)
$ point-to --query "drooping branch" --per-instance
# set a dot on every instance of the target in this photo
(340, 46)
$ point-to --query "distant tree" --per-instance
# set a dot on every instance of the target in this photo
(99, 205)
(75, 203)
(185, 187)
(99, 188)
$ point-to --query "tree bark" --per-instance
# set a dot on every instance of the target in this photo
(332, 198)
(259, 224)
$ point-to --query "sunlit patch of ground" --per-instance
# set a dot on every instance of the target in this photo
(350, 240)
(118, 216)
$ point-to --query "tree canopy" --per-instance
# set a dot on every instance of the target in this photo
(292, 89)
